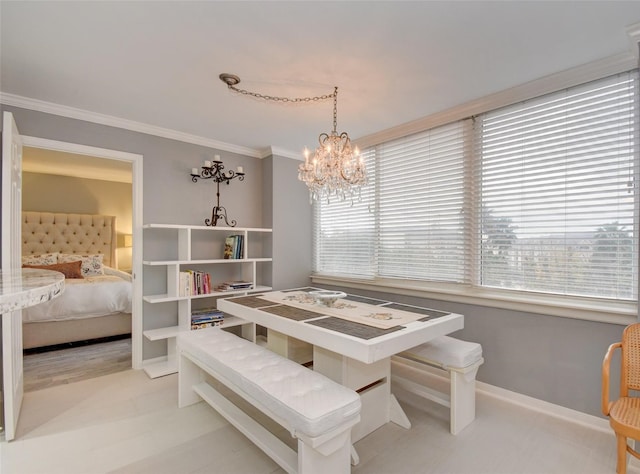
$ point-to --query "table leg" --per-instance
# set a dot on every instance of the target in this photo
(371, 381)
(289, 347)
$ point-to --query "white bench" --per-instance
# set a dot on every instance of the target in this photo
(314, 409)
(461, 359)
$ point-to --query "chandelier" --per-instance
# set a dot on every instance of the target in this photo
(336, 169)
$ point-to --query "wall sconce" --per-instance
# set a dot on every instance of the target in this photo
(214, 170)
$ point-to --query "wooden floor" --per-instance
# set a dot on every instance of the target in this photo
(69, 365)
(126, 423)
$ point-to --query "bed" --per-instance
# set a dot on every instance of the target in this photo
(96, 302)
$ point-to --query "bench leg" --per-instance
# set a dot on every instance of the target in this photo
(333, 457)
(463, 399)
(398, 416)
(355, 458)
(189, 374)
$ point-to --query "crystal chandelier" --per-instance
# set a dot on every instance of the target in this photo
(336, 169)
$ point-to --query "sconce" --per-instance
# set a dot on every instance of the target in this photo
(214, 170)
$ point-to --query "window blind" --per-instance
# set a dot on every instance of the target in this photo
(344, 237)
(421, 193)
(558, 187)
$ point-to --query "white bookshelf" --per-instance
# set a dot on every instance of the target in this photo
(188, 247)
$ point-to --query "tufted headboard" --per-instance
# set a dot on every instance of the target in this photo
(44, 232)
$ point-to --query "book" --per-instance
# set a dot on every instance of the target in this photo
(194, 282)
(233, 247)
(207, 324)
(228, 247)
(235, 285)
(206, 315)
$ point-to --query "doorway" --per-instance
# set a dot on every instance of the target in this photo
(134, 161)
(69, 185)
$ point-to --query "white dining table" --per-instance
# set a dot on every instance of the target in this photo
(353, 354)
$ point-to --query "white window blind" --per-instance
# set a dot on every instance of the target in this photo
(558, 192)
(421, 193)
(344, 238)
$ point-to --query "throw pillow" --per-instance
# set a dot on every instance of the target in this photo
(70, 269)
(91, 264)
(42, 259)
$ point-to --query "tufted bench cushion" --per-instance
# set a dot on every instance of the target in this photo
(447, 352)
(309, 402)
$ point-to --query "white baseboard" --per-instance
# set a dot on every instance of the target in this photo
(530, 403)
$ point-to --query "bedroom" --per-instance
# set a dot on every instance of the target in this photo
(67, 184)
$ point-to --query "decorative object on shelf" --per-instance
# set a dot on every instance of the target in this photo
(214, 170)
(336, 169)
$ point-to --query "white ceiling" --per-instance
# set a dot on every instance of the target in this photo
(157, 63)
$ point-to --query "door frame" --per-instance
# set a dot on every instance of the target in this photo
(136, 203)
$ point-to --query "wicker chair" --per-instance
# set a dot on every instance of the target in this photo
(624, 413)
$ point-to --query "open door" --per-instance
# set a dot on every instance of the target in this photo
(13, 381)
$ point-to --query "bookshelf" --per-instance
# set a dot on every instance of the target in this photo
(171, 250)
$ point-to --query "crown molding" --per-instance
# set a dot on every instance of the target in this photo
(634, 38)
(551, 83)
(93, 117)
(275, 151)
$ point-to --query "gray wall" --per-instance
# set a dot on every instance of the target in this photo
(545, 357)
(289, 215)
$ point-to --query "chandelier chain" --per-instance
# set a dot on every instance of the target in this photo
(335, 109)
(335, 169)
(273, 98)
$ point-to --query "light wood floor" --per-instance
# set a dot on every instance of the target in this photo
(126, 423)
(64, 366)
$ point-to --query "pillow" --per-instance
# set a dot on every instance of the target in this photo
(70, 270)
(91, 264)
(43, 259)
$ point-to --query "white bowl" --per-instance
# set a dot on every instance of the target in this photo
(327, 297)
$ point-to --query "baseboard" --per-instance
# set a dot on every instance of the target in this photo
(525, 401)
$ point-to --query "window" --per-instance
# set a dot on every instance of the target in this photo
(344, 242)
(421, 219)
(557, 192)
(536, 197)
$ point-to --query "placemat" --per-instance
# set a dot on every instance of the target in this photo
(251, 301)
(292, 312)
(344, 326)
(431, 313)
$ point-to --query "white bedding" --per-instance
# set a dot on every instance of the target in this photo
(88, 297)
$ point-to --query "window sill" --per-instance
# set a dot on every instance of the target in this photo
(606, 311)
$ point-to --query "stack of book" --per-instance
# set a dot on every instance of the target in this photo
(194, 282)
(206, 318)
(233, 246)
(235, 286)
